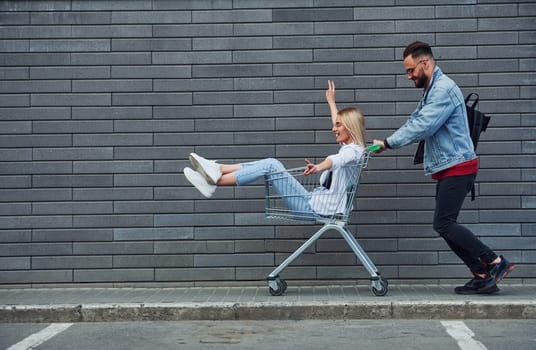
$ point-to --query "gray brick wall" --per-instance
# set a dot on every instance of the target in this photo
(101, 102)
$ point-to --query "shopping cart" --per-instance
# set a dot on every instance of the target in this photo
(277, 207)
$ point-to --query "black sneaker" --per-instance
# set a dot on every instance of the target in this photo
(501, 270)
(478, 285)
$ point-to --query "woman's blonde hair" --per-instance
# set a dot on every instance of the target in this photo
(354, 122)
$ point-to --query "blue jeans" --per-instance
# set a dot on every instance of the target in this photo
(295, 196)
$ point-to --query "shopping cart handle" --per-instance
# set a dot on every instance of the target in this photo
(374, 148)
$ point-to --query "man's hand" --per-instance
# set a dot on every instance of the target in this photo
(381, 143)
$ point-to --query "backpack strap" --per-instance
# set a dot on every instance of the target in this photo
(475, 102)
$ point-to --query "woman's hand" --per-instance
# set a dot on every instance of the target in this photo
(311, 168)
(330, 92)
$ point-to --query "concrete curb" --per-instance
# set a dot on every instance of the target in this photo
(266, 311)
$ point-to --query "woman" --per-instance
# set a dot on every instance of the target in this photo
(349, 130)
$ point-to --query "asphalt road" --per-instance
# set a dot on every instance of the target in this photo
(264, 335)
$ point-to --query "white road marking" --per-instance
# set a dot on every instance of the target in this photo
(463, 335)
(40, 337)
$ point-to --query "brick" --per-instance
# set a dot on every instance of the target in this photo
(122, 153)
(36, 276)
(113, 275)
(15, 155)
(40, 181)
(152, 207)
(157, 180)
(72, 235)
(134, 17)
(137, 99)
(194, 274)
(22, 195)
(226, 233)
(127, 112)
(139, 193)
(151, 45)
(516, 23)
(153, 125)
(14, 45)
(71, 262)
(101, 5)
(59, 18)
(35, 141)
(36, 249)
(111, 85)
(235, 70)
(34, 59)
(237, 43)
(65, 208)
(112, 139)
(111, 31)
(17, 18)
(233, 16)
(231, 97)
(254, 29)
(192, 30)
(194, 247)
(69, 72)
(100, 167)
(226, 260)
(192, 84)
(9, 100)
(313, 69)
(316, 41)
(21, 31)
(113, 58)
(94, 99)
(162, 71)
(12, 182)
(22, 263)
(156, 234)
(69, 45)
(17, 209)
(15, 236)
(192, 219)
(264, 56)
(398, 12)
(9, 73)
(355, 27)
(443, 25)
(158, 261)
(312, 15)
(112, 248)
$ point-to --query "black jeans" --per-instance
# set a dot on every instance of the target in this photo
(450, 194)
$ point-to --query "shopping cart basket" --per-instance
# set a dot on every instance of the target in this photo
(285, 207)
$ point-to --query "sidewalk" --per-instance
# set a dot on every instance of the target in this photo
(256, 303)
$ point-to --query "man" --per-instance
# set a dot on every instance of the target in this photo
(441, 121)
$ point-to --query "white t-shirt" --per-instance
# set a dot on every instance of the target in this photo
(331, 201)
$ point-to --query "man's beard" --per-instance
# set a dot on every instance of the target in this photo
(420, 82)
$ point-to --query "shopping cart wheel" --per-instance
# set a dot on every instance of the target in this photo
(379, 287)
(277, 286)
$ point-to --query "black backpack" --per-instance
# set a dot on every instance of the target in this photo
(477, 121)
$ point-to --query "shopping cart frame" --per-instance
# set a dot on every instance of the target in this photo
(337, 222)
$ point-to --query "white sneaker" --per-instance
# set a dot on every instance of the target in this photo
(208, 168)
(199, 182)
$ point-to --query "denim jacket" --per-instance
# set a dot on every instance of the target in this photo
(441, 120)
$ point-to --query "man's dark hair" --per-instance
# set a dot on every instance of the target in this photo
(417, 49)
